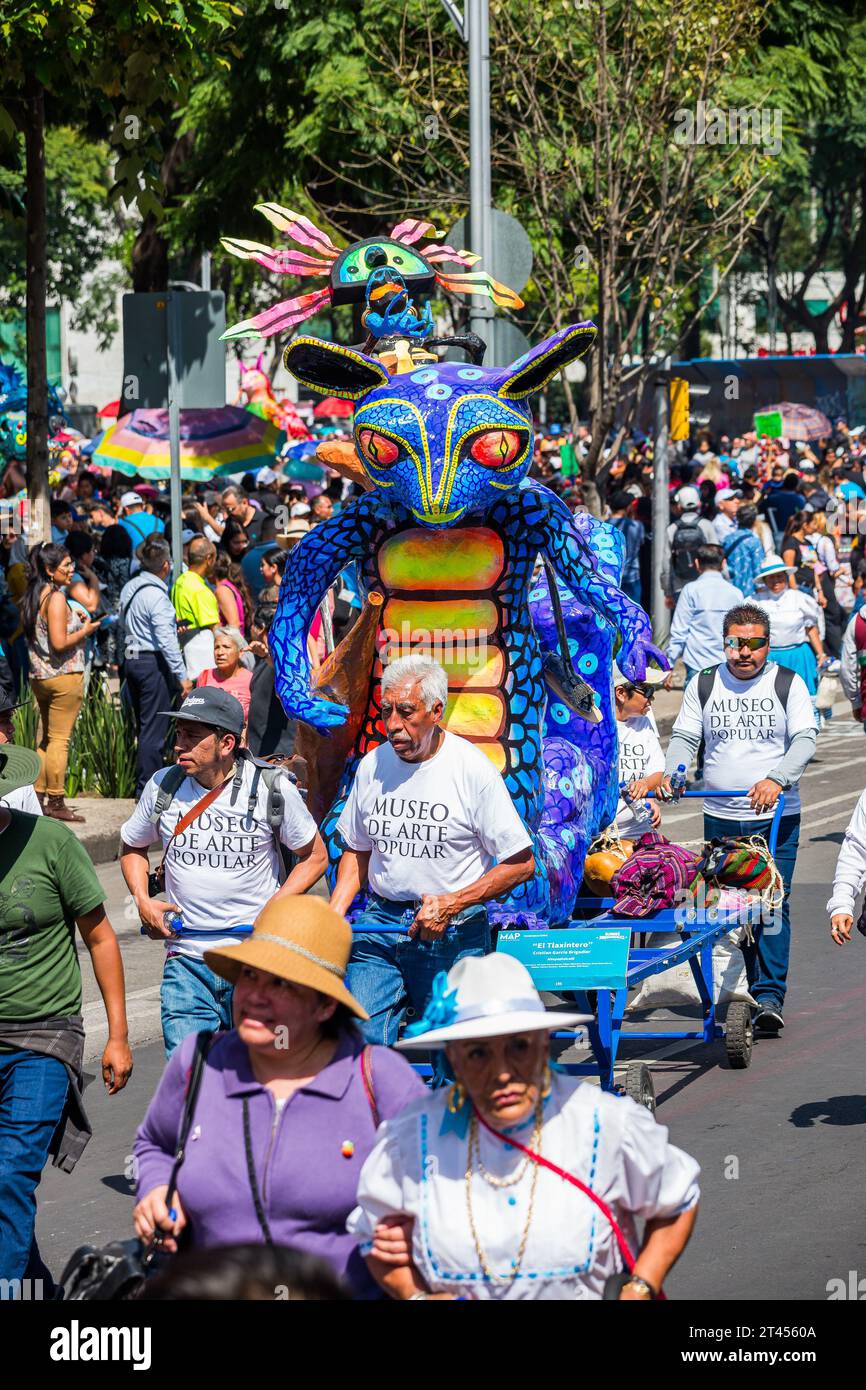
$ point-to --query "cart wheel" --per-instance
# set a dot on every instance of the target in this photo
(738, 1035)
(639, 1085)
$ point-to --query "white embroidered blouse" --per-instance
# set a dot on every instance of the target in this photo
(613, 1145)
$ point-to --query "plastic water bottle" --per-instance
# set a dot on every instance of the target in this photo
(173, 921)
(678, 780)
(624, 793)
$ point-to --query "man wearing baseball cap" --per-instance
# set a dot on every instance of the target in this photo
(728, 501)
(686, 534)
(221, 829)
(138, 523)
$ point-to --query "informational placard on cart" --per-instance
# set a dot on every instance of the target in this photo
(576, 958)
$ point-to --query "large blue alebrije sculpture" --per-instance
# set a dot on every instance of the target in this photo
(449, 535)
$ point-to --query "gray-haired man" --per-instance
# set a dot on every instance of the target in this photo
(430, 827)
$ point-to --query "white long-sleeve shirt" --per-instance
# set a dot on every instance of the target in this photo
(849, 672)
(850, 874)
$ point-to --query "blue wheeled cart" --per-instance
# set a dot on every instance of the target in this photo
(696, 947)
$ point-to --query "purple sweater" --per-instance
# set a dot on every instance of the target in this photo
(308, 1187)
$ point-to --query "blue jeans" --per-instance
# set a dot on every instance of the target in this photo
(33, 1091)
(632, 587)
(193, 1000)
(388, 974)
(767, 959)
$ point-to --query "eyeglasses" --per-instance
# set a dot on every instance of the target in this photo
(754, 644)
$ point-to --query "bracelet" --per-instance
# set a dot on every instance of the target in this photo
(643, 1285)
(413, 1297)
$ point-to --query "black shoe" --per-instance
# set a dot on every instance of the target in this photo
(769, 1018)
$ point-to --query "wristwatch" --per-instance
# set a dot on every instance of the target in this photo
(641, 1285)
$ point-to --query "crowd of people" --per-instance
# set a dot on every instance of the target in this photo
(100, 596)
(284, 1028)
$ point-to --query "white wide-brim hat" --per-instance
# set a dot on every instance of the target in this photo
(484, 997)
(774, 564)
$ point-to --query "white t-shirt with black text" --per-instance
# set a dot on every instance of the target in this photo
(640, 755)
(430, 827)
(225, 866)
(746, 732)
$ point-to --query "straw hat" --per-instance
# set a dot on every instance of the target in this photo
(484, 997)
(300, 939)
(297, 528)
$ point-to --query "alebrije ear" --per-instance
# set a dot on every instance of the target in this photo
(535, 368)
(332, 369)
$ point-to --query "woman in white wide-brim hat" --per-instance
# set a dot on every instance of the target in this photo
(482, 1218)
(795, 637)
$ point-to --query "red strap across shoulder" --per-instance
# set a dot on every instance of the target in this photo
(366, 1061)
(624, 1249)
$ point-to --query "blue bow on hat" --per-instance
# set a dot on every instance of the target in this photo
(439, 1011)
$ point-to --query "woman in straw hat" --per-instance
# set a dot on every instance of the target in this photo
(490, 1221)
(289, 1103)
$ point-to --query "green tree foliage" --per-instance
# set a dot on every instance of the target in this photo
(88, 239)
(812, 59)
(121, 66)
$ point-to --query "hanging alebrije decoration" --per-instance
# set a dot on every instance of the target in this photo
(348, 270)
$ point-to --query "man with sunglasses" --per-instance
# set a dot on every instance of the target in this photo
(758, 724)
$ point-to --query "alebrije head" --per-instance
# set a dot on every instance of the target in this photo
(444, 439)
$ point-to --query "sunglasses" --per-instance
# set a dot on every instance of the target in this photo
(754, 644)
(647, 691)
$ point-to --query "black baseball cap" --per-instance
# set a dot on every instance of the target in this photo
(208, 705)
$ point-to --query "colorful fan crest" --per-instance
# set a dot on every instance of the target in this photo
(349, 270)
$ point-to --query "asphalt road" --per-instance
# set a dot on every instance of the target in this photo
(780, 1144)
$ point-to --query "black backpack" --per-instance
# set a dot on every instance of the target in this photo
(687, 540)
(782, 684)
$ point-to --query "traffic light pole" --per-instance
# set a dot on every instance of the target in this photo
(661, 615)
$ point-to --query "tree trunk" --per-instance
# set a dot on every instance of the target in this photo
(150, 264)
(149, 259)
(39, 525)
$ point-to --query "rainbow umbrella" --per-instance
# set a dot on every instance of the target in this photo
(227, 440)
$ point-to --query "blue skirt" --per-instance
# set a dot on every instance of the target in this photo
(800, 659)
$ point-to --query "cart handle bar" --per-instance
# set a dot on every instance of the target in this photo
(778, 812)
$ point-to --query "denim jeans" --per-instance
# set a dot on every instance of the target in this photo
(33, 1091)
(193, 1000)
(388, 974)
(767, 959)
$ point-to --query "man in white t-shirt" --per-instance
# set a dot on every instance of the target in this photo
(758, 724)
(22, 798)
(641, 760)
(430, 828)
(223, 866)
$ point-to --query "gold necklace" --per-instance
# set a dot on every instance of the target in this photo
(491, 1178)
(474, 1154)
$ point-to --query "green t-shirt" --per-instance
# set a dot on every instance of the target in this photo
(46, 882)
(194, 602)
